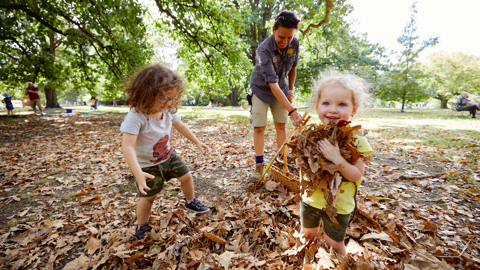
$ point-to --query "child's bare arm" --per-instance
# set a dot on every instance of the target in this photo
(351, 172)
(128, 147)
(187, 133)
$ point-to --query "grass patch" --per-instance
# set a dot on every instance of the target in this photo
(44, 180)
(10, 223)
(240, 118)
(69, 197)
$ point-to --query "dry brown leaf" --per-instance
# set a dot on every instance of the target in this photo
(93, 244)
(79, 263)
(215, 238)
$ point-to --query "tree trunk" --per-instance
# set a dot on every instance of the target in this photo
(233, 96)
(51, 97)
(444, 102)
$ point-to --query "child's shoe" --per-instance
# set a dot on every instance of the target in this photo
(257, 174)
(141, 230)
(43, 113)
(196, 206)
(36, 114)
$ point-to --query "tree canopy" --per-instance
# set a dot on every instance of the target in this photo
(62, 44)
(218, 39)
(402, 81)
(451, 74)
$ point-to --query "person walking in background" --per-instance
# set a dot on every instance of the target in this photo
(464, 104)
(277, 57)
(94, 101)
(8, 102)
(32, 93)
(114, 102)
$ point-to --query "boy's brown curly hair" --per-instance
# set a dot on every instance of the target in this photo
(151, 83)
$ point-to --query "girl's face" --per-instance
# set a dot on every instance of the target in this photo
(335, 104)
(163, 102)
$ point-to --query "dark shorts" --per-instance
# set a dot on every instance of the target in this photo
(311, 217)
(9, 107)
(174, 167)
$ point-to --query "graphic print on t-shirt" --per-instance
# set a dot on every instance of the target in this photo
(161, 150)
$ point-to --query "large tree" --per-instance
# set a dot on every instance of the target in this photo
(450, 74)
(402, 82)
(218, 39)
(70, 43)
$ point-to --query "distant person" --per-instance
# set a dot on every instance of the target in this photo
(114, 102)
(94, 101)
(464, 104)
(153, 94)
(8, 102)
(32, 93)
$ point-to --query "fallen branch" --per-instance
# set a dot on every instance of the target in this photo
(329, 5)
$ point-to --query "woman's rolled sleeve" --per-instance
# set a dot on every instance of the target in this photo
(266, 65)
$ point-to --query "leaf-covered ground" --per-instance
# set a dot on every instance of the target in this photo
(68, 199)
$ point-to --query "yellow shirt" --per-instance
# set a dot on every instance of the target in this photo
(346, 205)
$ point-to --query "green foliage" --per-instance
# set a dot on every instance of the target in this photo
(451, 74)
(218, 41)
(402, 81)
(65, 44)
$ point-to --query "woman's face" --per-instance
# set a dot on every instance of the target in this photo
(283, 36)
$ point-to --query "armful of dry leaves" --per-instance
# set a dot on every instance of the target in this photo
(319, 172)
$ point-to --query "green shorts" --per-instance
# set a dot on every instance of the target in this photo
(311, 217)
(174, 167)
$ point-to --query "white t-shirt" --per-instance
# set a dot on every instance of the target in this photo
(153, 141)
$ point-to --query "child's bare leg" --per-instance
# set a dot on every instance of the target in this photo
(186, 184)
(144, 207)
(337, 246)
(310, 233)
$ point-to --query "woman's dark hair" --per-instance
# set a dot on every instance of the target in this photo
(286, 19)
(151, 83)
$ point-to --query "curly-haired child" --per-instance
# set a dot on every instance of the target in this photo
(336, 96)
(153, 95)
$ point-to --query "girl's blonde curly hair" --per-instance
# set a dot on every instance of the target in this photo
(357, 86)
(151, 83)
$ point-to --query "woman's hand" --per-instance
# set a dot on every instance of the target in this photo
(296, 118)
(330, 152)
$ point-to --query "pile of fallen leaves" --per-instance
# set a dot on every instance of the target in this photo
(93, 227)
(319, 172)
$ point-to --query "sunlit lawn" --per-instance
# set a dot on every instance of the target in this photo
(436, 134)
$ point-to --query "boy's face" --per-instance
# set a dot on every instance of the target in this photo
(335, 104)
(163, 102)
(283, 36)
